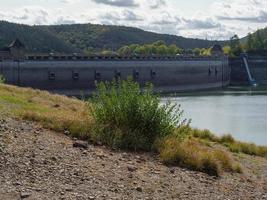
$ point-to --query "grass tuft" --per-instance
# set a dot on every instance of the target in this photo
(193, 155)
(231, 143)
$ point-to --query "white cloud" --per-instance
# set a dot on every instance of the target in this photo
(220, 20)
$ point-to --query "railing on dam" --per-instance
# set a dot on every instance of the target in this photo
(118, 58)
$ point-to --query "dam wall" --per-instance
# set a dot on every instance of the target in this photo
(73, 77)
(257, 66)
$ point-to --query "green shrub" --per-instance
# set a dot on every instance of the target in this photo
(130, 118)
(2, 79)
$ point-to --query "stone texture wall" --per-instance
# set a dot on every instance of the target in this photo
(74, 77)
(258, 69)
(239, 74)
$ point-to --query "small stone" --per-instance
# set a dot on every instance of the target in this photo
(66, 132)
(125, 155)
(139, 189)
(68, 189)
(99, 143)
(91, 197)
(131, 168)
(17, 183)
(25, 195)
(53, 158)
(172, 171)
(80, 144)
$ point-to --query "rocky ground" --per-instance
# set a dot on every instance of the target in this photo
(39, 164)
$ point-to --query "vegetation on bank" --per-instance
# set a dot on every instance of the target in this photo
(120, 115)
(126, 117)
(55, 112)
(229, 142)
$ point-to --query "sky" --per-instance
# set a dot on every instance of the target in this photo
(205, 19)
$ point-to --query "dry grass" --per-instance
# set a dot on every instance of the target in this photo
(231, 143)
(194, 155)
(55, 112)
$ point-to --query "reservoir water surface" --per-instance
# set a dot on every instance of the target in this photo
(242, 114)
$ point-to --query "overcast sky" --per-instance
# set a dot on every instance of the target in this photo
(211, 19)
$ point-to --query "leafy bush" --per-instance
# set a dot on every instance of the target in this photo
(127, 117)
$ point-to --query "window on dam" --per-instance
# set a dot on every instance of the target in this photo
(75, 75)
(52, 76)
(97, 75)
(153, 74)
(136, 74)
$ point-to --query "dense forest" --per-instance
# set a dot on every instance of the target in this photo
(36, 39)
(88, 37)
(252, 43)
(121, 40)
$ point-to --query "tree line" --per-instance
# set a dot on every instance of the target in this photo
(157, 48)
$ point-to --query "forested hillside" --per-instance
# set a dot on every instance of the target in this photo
(87, 37)
(35, 38)
(257, 40)
(114, 37)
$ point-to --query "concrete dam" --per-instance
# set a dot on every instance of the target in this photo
(257, 67)
(77, 74)
(73, 77)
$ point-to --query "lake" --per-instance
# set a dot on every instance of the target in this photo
(241, 113)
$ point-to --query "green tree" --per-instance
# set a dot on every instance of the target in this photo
(259, 41)
(159, 43)
(250, 42)
(235, 45)
(227, 50)
(162, 49)
(197, 51)
(125, 51)
(173, 50)
(265, 44)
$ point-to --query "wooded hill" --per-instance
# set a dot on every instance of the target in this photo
(88, 37)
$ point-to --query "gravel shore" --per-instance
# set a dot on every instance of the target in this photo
(40, 164)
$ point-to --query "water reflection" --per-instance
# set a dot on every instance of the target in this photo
(244, 116)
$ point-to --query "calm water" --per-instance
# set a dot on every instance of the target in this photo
(243, 115)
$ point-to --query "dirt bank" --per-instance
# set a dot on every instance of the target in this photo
(39, 164)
